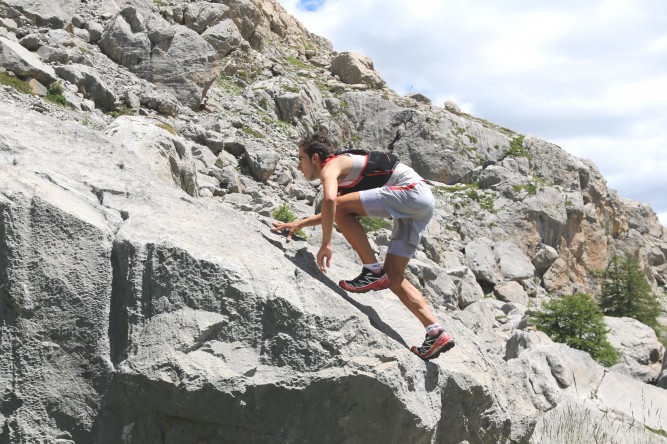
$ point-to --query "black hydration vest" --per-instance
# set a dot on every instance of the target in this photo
(379, 167)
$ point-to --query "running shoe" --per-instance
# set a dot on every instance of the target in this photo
(366, 281)
(434, 344)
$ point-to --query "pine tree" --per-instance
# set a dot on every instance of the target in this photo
(626, 292)
(576, 320)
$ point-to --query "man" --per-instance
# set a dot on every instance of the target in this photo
(372, 184)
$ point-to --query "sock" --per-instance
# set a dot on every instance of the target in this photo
(432, 329)
(375, 268)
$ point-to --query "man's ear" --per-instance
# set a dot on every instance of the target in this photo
(316, 157)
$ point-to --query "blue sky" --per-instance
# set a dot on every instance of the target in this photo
(588, 76)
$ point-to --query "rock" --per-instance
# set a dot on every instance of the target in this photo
(20, 61)
(168, 156)
(353, 68)
(95, 31)
(419, 98)
(200, 16)
(261, 160)
(544, 258)
(164, 298)
(160, 101)
(54, 14)
(224, 37)
(640, 351)
(90, 84)
(31, 42)
(157, 51)
(36, 87)
(452, 107)
(512, 291)
(481, 260)
(512, 262)
(524, 340)
(468, 290)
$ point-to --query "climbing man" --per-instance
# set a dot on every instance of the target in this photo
(358, 183)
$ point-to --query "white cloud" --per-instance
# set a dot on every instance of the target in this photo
(589, 76)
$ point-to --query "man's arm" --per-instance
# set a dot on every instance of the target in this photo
(329, 179)
(294, 226)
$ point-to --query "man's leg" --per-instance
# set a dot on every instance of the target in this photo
(348, 207)
(372, 277)
(412, 298)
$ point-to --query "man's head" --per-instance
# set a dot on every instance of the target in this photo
(313, 151)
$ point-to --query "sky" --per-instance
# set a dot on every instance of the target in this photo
(589, 76)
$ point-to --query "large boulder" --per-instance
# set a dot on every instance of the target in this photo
(171, 56)
(224, 37)
(640, 350)
(481, 260)
(132, 308)
(23, 63)
(90, 84)
(168, 156)
(52, 13)
(355, 68)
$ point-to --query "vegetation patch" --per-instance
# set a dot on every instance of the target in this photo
(122, 111)
(19, 85)
(576, 320)
(532, 188)
(228, 84)
(251, 132)
(297, 62)
(55, 95)
(285, 214)
(625, 292)
(517, 149)
(170, 129)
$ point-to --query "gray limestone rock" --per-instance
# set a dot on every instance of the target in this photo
(512, 291)
(172, 56)
(156, 306)
(169, 157)
(261, 159)
(224, 37)
(51, 13)
(354, 68)
(23, 63)
(200, 16)
(640, 351)
(90, 84)
(544, 258)
(481, 260)
(512, 262)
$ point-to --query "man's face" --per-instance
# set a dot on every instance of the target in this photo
(306, 166)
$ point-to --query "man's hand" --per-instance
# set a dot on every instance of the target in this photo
(291, 227)
(324, 257)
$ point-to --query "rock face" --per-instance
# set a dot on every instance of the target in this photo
(174, 57)
(140, 284)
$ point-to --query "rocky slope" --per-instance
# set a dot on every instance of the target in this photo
(144, 299)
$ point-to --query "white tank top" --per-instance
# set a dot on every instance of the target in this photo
(403, 175)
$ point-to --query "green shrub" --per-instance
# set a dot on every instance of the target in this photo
(576, 320)
(55, 92)
(626, 293)
(284, 214)
(517, 149)
(19, 85)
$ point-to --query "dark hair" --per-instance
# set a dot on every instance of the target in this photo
(318, 144)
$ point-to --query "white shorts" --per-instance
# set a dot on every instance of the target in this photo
(411, 207)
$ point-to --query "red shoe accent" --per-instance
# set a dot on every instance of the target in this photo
(444, 343)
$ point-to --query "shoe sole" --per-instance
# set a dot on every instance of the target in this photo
(375, 286)
(445, 348)
(437, 349)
